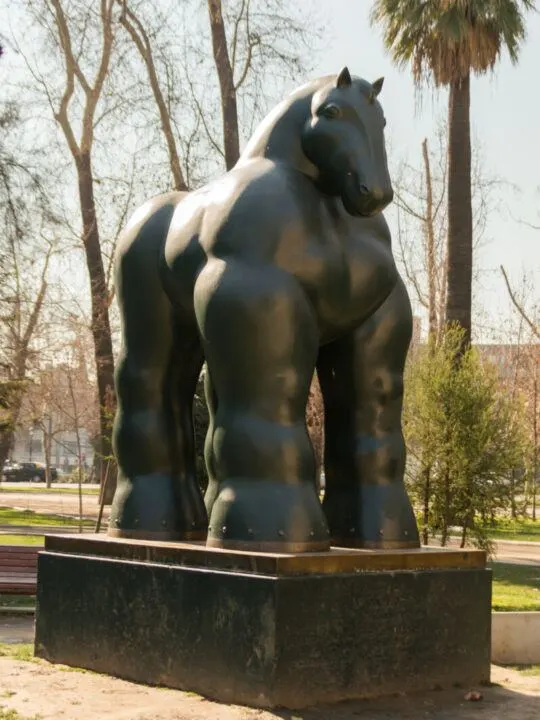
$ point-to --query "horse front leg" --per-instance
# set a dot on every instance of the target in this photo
(361, 377)
(260, 340)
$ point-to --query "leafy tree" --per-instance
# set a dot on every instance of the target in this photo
(465, 437)
(447, 40)
(10, 390)
(26, 227)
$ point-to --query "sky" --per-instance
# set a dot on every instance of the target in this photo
(505, 117)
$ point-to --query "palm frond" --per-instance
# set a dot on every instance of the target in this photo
(444, 40)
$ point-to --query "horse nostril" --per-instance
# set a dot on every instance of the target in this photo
(364, 190)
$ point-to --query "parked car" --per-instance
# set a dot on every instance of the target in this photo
(26, 472)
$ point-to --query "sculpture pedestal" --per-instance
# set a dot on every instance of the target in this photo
(265, 629)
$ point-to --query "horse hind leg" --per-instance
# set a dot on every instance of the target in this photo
(209, 457)
(157, 496)
(361, 374)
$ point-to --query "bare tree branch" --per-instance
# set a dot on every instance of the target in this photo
(61, 115)
(234, 42)
(519, 307)
(411, 276)
(140, 37)
(200, 111)
(93, 96)
(65, 40)
(253, 40)
(38, 304)
(404, 205)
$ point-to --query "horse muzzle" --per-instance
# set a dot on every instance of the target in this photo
(361, 198)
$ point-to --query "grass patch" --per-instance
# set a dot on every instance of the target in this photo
(527, 670)
(18, 601)
(42, 489)
(22, 540)
(6, 714)
(524, 530)
(12, 516)
(19, 651)
(515, 587)
(25, 653)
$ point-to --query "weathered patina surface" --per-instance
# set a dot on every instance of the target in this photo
(281, 267)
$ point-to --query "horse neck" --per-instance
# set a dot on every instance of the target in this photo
(278, 137)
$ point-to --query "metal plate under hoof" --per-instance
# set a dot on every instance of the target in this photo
(160, 536)
(374, 545)
(269, 547)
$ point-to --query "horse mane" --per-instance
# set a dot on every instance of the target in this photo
(277, 136)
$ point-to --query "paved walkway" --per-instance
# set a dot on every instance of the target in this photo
(521, 553)
(51, 502)
(16, 629)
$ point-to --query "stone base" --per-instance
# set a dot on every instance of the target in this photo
(265, 630)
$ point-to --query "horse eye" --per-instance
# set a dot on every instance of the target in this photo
(384, 122)
(330, 111)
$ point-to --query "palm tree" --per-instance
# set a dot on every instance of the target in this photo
(446, 40)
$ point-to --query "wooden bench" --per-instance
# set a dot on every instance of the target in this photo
(18, 569)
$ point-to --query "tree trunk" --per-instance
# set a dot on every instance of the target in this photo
(535, 446)
(513, 508)
(47, 446)
(430, 251)
(459, 281)
(463, 536)
(426, 501)
(101, 329)
(446, 508)
(7, 437)
(229, 111)
(6, 443)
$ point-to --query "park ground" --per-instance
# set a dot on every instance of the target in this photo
(35, 690)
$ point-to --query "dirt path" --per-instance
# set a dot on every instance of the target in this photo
(58, 693)
(55, 693)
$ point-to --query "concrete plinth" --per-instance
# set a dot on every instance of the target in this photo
(265, 629)
(515, 638)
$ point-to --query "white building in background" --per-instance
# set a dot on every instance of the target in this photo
(29, 446)
(61, 406)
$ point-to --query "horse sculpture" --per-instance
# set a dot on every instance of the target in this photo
(281, 267)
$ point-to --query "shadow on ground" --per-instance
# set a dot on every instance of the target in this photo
(513, 574)
(497, 703)
(79, 695)
(26, 688)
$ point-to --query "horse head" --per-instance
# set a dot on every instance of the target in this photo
(344, 138)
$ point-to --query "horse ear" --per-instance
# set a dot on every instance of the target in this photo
(376, 88)
(344, 79)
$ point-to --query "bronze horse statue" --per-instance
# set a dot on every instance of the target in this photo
(280, 267)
